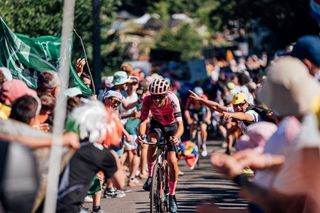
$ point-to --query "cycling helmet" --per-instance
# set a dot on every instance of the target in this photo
(159, 87)
(198, 91)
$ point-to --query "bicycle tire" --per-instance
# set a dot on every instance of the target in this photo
(155, 190)
(198, 143)
(165, 187)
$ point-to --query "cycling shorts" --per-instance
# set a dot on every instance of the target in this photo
(201, 116)
(167, 131)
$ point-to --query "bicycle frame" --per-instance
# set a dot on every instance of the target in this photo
(159, 193)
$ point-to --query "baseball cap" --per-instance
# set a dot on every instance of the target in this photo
(308, 47)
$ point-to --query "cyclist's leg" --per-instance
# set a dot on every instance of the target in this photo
(152, 154)
(192, 131)
(173, 171)
(203, 126)
(193, 127)
(204, 132)
(173, 177)
(173, 166)
(153, 136)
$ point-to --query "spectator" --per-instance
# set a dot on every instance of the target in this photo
(48, 83)
(307, 49)
(44, 121)
(126, 67)
(25, 109)
(89, 121)
(9, 92)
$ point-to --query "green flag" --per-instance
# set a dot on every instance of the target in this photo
(26, 57)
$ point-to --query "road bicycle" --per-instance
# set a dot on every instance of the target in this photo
(159, 193)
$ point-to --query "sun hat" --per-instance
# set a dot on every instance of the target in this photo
(120, 77)
(14, 89)
(112, 93)
(256, 136)
(288, 88)
(6, 72)
(308, 47)
(239, 98)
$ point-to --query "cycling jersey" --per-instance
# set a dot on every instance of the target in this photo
(165, 115)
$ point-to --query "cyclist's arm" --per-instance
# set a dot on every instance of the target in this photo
(180, 129)
(178, 117)
(187, 112)
(143, 127)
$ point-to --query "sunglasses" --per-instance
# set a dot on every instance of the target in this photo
(239, 105)
(114, 102)
(158, 97)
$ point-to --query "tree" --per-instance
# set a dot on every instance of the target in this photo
(185, 40)
(288, 19)
(38, 18)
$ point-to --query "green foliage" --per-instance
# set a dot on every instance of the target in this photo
(38, 18)
(33, 18)
(185, 39)
(288, 19)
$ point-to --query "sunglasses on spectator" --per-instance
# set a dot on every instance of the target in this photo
(239, 105)
(158, 97)
(114, 102)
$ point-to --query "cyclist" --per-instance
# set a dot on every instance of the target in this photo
(197, 112)
(167, 120)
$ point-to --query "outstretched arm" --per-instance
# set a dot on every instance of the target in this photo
(238, 115)
(211, 104)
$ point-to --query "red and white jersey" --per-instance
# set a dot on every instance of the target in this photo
(165, 115)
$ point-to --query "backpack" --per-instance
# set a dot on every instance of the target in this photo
(266, 114)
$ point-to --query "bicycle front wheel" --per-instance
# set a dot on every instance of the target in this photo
(199, 143)
(155, 192)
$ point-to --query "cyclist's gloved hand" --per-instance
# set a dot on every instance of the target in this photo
(174, 140)
(140, 139)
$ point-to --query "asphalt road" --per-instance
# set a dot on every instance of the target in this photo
(201, 185)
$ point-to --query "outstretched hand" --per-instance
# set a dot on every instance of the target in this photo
(79, 65)
(226, 164)
(194, 96)
(251, 158)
